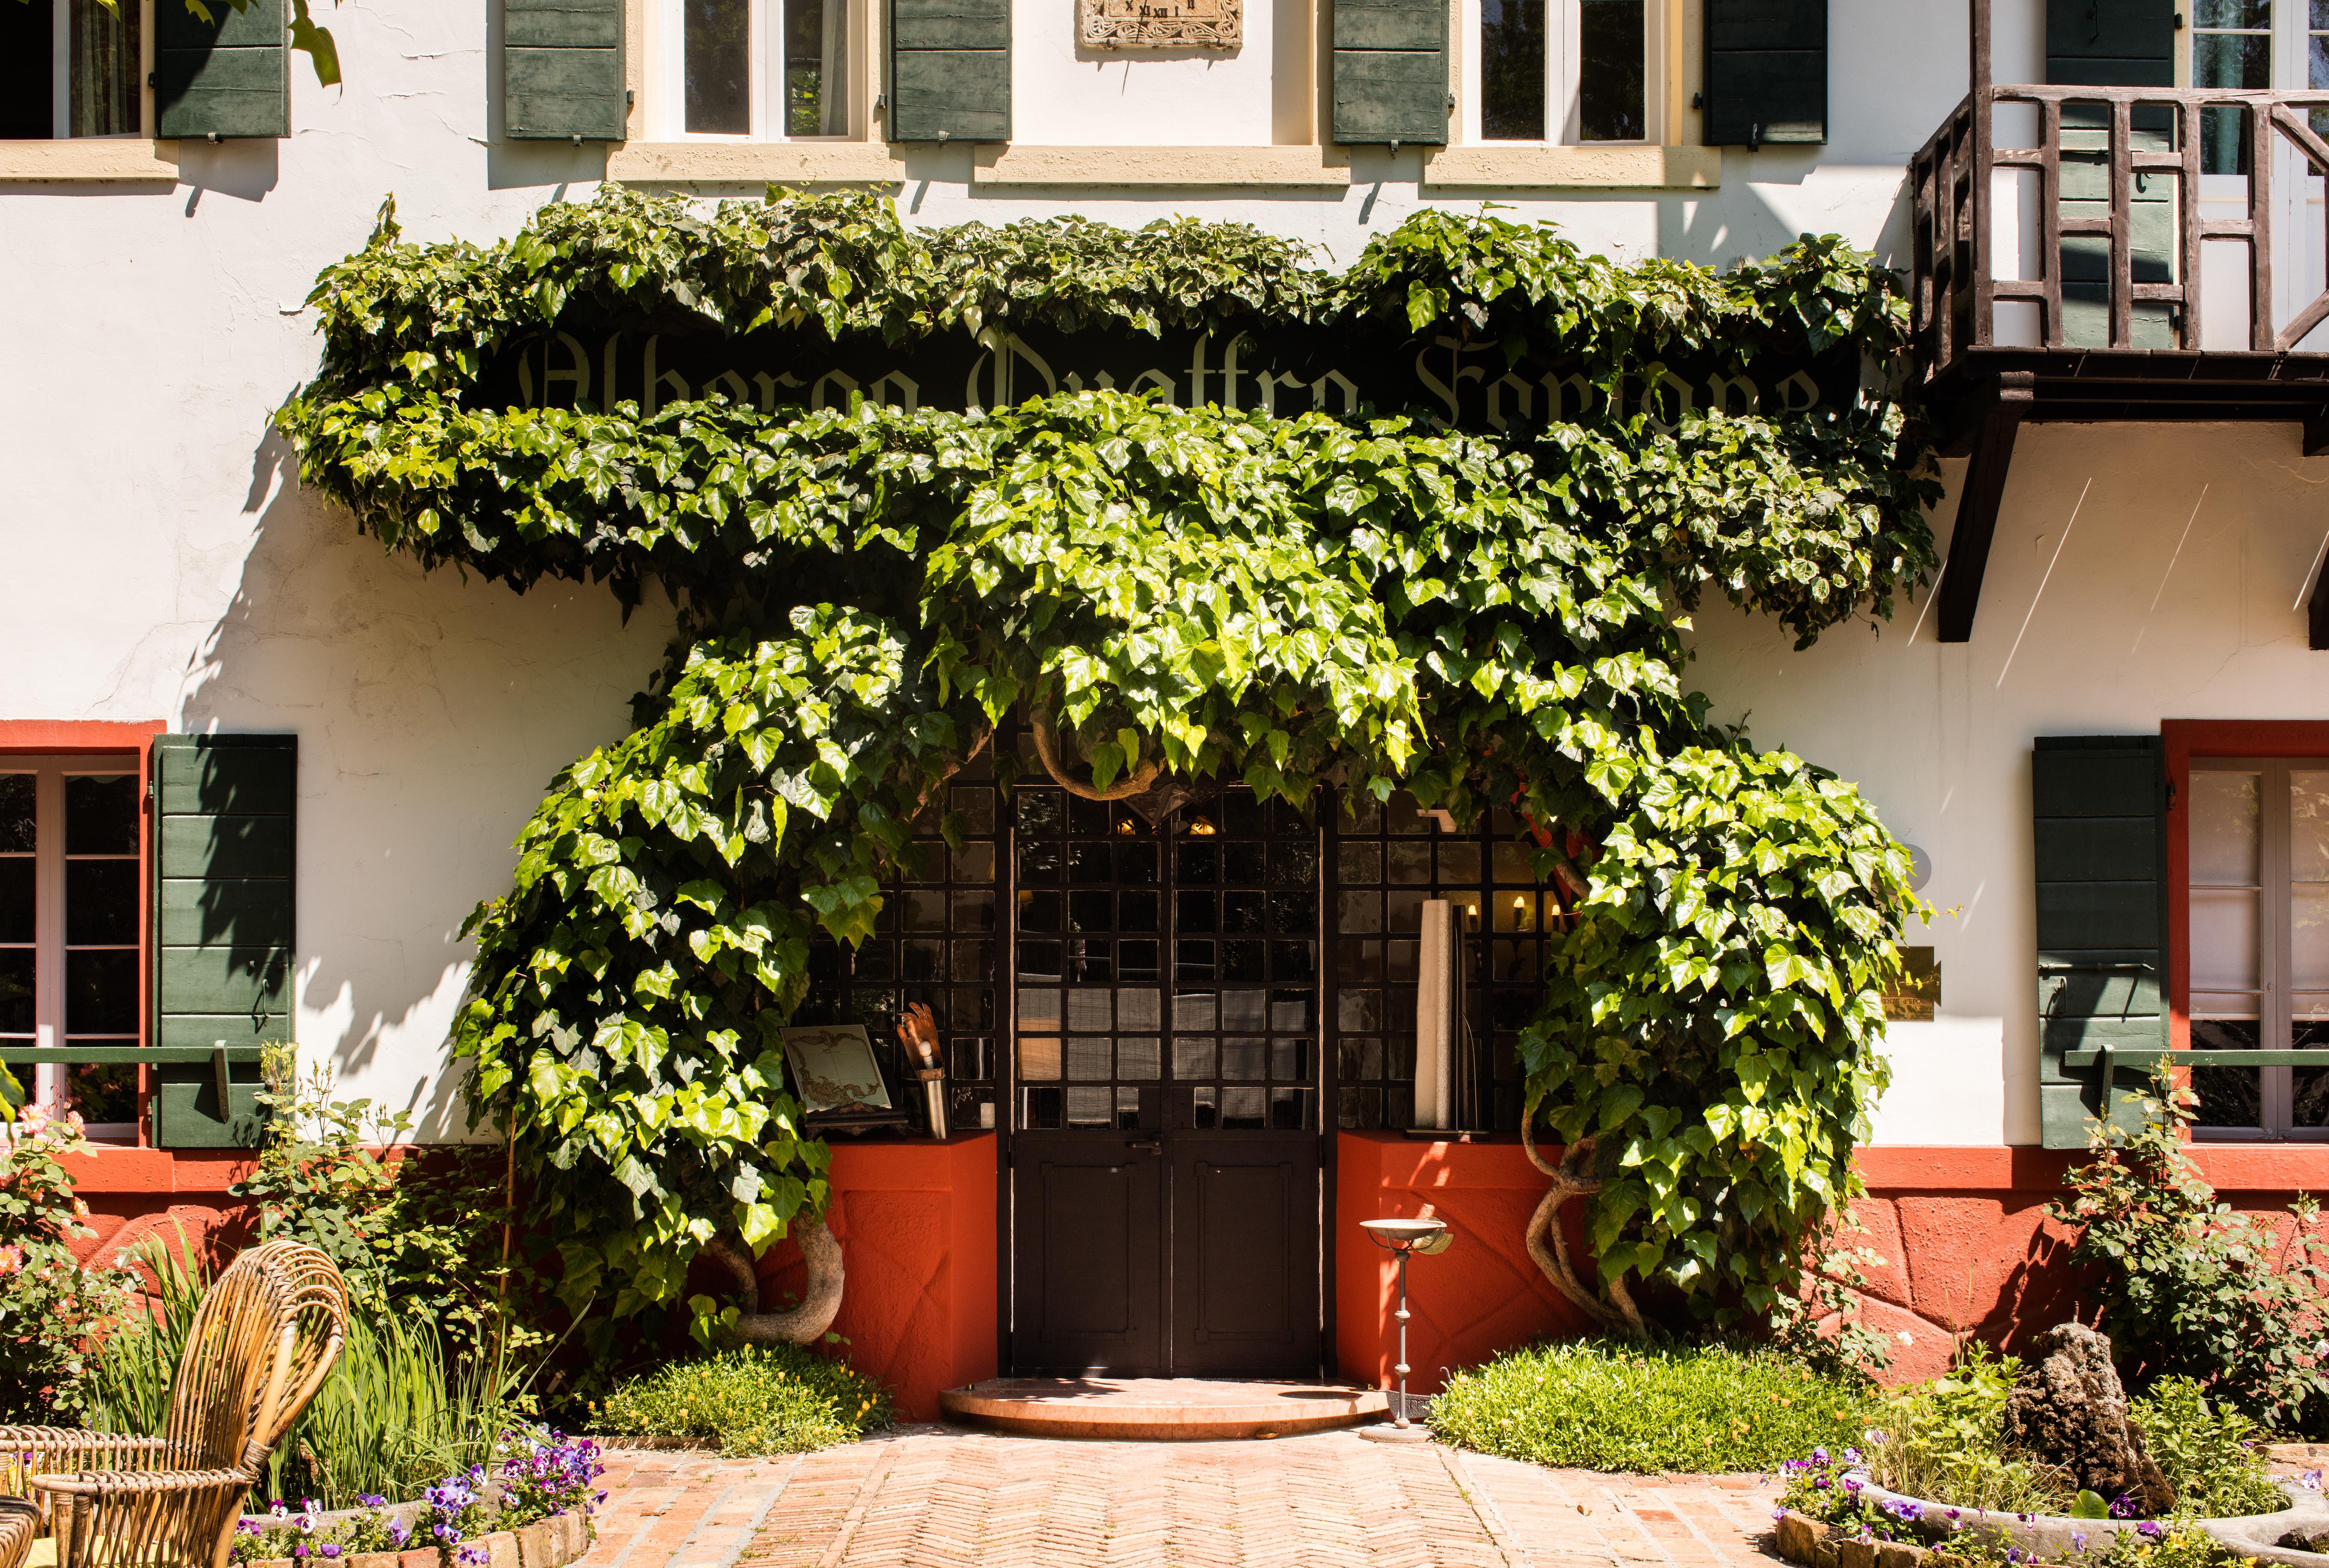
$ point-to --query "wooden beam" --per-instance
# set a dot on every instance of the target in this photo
(2316, 431)
(2007, 402)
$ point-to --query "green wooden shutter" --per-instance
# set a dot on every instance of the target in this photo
(562, 71)
(224, 846)
(2114, 43)
(950, 71)
(228, 77)
(1390, 72)
(2101, 852)
(2111, 43)
(1766, 72)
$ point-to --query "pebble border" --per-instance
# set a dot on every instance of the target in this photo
(2052, 1537)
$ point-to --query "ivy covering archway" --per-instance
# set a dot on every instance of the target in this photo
(1368, 604)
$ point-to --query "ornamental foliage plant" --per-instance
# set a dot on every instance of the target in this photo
(2192, 1289)
(1318, 605)
(753, 1399)
(1598, 1405)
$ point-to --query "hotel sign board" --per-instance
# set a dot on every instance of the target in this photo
(1281, 371)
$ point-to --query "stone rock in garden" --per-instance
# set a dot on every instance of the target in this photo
(2069, 1409)
(371, 1560)
(1855, 1555)
(1900, 1555)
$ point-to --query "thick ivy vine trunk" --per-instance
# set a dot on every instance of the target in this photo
(820, 1300)
(1548, 1242)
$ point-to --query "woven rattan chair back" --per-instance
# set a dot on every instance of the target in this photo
(262, 1343)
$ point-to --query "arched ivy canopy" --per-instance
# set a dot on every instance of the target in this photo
(1348, 601)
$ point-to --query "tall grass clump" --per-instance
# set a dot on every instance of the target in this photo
(755, 1399)
(1591, 1404)
(402, 1407)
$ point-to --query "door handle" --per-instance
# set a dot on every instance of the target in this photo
(1147, 1146)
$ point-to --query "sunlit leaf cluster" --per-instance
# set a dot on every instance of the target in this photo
(1318, 607)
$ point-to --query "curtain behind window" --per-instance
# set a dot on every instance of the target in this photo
(103, 68)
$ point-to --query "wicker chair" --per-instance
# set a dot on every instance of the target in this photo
(262, 1340)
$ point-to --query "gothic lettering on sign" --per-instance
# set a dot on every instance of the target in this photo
(1442, 378)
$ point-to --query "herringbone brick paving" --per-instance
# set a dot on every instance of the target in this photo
(939, 1498)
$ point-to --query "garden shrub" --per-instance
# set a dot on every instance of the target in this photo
(2212, 1455)
(755, 1399)
(1597, 1405)
(1944, 1439)
(1942, 1443)
(2190, 1289)
(53, 1308)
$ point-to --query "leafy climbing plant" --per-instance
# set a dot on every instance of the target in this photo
(1311, 605)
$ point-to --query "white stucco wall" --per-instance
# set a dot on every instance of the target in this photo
(2138, 621)
(160, 563)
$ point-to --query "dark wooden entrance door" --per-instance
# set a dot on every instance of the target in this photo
(1165, 1194)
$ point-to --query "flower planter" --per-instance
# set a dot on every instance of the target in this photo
(2049, 1537)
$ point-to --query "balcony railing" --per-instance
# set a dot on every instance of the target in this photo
(2139, 194)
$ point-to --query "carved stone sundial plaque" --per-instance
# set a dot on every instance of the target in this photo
(1163, 24)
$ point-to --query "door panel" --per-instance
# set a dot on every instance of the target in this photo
(1165, 1037)
(1088, 1233)
(1245, 1254)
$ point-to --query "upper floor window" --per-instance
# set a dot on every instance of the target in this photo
(68, 68)
(1561, 71)
(2259, 887)
(2253, 45)
(761, 69)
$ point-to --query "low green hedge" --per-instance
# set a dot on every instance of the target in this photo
(1590, 1404)
(757, 1399)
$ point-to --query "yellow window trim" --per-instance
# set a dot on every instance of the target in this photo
(834, 163)
(115, 160)
(1605, 167)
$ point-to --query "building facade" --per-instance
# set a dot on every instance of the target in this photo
(2105, 729)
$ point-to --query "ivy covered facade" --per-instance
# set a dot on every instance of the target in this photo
(623, 600)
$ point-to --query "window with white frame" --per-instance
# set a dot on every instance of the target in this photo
(758, 69)
(1561, 71)
(70, 927)
(2259, 942)
(68, 68)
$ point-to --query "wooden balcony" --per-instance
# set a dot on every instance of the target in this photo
(2152, 254)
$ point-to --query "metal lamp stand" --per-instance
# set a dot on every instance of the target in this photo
(1405, 1238)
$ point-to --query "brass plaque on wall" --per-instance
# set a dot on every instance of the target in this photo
(1162, 23)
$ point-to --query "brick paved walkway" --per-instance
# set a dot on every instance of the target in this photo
(937, 1498)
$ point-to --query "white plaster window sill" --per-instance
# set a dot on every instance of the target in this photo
(1612, 168)
(117, 159)
(754, 162)
(1020, 163)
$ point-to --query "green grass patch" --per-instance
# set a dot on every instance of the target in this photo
(1591, 1404)
(755, 1399)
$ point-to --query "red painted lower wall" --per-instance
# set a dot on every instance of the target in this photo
(916, 1221)
(1962, 1231)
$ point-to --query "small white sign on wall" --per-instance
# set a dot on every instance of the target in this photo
(1162, 23)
